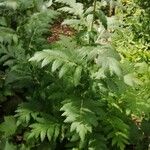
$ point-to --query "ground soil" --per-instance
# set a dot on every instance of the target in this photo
(58, 29)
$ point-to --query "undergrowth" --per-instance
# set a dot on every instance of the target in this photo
(83, 92)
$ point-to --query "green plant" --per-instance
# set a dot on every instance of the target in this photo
(21, 22)
(77, 94)
(88, 21)
(132, 43)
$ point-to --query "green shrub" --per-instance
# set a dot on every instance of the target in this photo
(78, 93)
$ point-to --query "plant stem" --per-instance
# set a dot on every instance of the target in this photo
(94, 12)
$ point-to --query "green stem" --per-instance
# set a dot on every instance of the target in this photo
(94, 12)
(81, 106)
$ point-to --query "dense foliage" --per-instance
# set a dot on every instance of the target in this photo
(89, 91)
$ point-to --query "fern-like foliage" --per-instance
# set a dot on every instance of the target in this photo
(22, 33)
(87, 21)
(5, 126)
(44, 129)
(82, 119)
(35, 28)
(76, 93)
(106, 81)
(74, 7)
(75, 60)
(63, 60)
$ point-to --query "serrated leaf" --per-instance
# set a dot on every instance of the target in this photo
(45, 62)
(30, 136)
(66, 9)
(77, 75)
(15, 38)
(63, 70)
(50, 133)
(49, 3)
(9, 62)
(43, 135)
(56, 133)
(88, 10)
(82, 119)
(131, 80)
(70, 111)
(66, 1)
(81, 129)
(4, 58)
(9, 126)
(73, 7)
(56, 64)
(114, 66)
(37, 57)
(111, 64)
